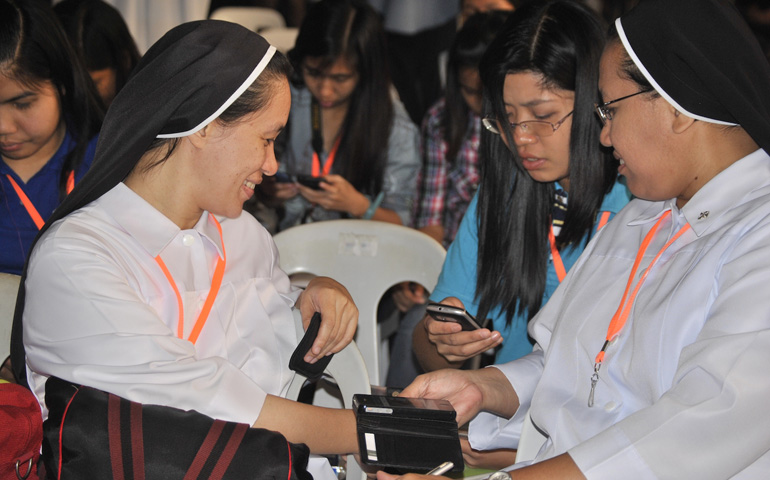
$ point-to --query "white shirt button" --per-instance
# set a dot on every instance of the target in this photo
(188, 240)
(610, 406)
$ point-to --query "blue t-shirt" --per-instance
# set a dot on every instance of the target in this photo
(17, 229)
(458, 275)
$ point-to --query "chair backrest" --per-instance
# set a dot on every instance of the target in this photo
(367, 257)
(253, 18)
(282, 38)
(348, 370)
(9, 288)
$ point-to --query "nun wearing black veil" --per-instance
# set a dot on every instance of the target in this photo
(150, 283)
(651, 357)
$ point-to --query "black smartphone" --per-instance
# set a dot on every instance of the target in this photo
(448, 313)
(310, 181)
(283, 177)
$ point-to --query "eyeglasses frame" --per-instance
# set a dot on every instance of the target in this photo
(601, 109)
(490, 124)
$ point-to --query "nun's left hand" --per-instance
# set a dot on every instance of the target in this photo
(339, 316)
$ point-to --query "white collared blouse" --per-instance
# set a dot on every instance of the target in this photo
(100, 311)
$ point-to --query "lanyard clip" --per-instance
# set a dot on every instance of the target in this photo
(594, 381)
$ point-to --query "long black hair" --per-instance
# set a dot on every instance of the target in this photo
(35, 49)
(467, 49)
(99, 34)
(561, 41)
(352, 29)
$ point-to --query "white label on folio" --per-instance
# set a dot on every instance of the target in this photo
(371, 447)
(386, 411)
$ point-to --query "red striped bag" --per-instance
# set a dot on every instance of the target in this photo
(93, 434)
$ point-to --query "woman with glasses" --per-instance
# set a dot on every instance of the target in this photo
(345, 127)
(546, 185)
(651, 357)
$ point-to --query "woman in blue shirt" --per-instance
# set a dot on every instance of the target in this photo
(49, 117)
(519, 237)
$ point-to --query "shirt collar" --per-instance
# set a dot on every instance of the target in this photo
(726, 190)
(153, 230)
(721, 194)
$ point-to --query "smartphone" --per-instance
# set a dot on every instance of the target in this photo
(448, 313)
(310, 181)
(283, 177)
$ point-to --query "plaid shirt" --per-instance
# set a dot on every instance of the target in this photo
(445, 188)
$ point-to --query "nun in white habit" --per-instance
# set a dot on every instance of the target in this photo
(150, 282)
(651, 357)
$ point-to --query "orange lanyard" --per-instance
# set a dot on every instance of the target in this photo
(317, 170)
(29, 206)
(216, 282)
(624, 309)
(558, 264)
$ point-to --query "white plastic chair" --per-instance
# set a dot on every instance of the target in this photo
(282, 38)
(253, 18)
(9, 288)
(348, 370)
(367, 257)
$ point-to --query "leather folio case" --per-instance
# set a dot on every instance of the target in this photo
(409, 434)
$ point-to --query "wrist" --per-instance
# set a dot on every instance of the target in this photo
(361, 207)
(497, 393)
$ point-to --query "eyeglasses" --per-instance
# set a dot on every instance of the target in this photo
(605, 114)
(538, 128)
(317, 74)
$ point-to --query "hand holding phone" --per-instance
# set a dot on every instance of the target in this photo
(310, 181)
(448, 313)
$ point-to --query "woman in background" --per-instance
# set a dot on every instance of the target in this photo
(345, 125)
(50, 115)
(100, 35)
(449, 175)
(546, 185)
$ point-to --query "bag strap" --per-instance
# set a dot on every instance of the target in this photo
(229, 451)
(204, 452)
(61, 431)
(131, 451)
(212, 445)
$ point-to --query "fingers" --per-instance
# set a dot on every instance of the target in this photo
(339, 316)
(279, 190)
(460, 353)
(408, 294)
(456, 345)
(285, 190)
(453, 301)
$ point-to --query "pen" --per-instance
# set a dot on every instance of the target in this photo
(442, 469)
